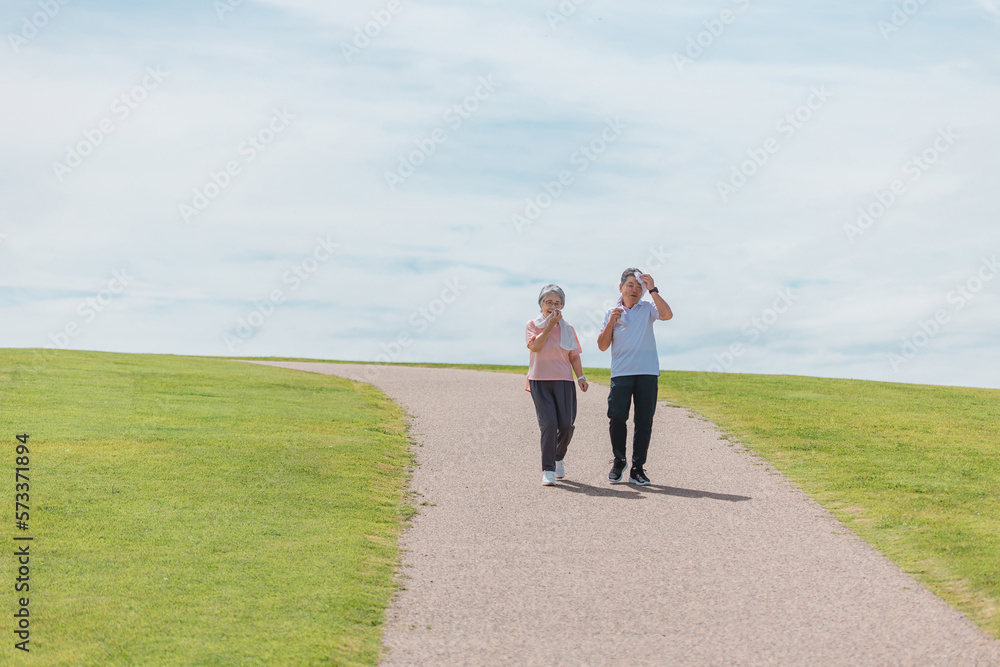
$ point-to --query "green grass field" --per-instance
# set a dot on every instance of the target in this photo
(912, 469)
(198, 511)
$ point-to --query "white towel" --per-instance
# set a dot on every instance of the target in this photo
(623, 320)
(567, 335)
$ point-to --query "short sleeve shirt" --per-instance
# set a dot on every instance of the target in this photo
(552, 362)
(633, 346)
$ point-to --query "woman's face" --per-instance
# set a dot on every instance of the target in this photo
(551, 302)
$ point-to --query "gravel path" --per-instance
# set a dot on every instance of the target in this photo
(720, 562)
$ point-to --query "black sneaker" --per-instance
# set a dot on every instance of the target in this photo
(637, 476)
(616, 470)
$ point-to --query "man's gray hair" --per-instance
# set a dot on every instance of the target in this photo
(627, 273)
(551, 289)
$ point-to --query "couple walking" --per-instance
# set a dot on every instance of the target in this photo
(635, 367)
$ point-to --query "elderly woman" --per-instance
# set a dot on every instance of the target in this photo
(555, 355)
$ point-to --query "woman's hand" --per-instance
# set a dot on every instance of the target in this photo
(554, 319)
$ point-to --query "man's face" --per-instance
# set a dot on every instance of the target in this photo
(631, 291)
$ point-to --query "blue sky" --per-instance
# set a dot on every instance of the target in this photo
(179, 178)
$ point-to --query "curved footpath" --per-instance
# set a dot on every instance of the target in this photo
(720, 561)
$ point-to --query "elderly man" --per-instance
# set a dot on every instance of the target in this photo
(635, 369)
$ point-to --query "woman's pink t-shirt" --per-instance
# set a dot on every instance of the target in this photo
(551, 362)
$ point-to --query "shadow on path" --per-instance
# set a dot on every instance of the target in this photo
(630, 491)
(618, 491)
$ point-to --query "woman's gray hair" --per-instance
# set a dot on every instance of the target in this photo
(551, 289)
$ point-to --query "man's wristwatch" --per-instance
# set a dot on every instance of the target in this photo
(655, 290)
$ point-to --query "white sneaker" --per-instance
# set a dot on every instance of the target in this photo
(560, 470)
(548, 478)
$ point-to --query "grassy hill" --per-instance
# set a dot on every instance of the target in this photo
(912, 469)
(191, 510)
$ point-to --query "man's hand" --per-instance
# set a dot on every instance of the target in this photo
(661, 305)
(583, 383)
(604, 338)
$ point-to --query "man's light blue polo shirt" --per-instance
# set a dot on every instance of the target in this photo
(633, 346)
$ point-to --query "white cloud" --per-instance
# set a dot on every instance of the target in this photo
(990, 7)
(655, 187)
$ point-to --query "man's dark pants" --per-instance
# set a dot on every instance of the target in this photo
(625, 389)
